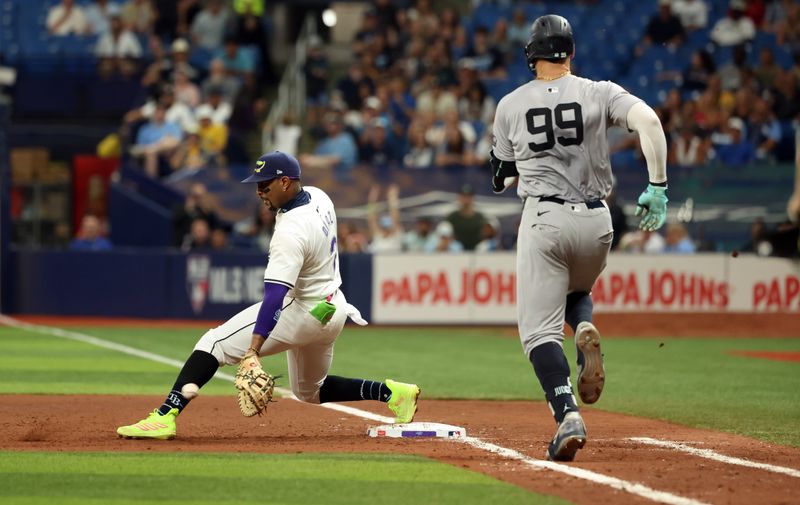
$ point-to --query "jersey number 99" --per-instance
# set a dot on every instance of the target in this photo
(576, 123)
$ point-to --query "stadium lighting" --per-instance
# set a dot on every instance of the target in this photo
(329, 18)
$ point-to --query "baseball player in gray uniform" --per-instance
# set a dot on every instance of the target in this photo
(302, 313)
(550, 136)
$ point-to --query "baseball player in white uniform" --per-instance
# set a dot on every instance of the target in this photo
(302, 313)
(550, 135)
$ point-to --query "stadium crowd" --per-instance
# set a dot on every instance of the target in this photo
(420, 94)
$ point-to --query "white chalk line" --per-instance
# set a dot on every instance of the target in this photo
(613, 482)
(713, 455)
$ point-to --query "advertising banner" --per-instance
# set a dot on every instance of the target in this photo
(481, 288)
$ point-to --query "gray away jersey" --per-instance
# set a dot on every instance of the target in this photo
(556, 133)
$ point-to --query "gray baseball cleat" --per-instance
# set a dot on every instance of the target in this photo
(570, 436)
(591, 376)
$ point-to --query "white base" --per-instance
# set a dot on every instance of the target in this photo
(417, 430)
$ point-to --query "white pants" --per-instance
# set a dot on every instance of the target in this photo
(307, 342)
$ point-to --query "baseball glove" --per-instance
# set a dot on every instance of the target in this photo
(254, 384)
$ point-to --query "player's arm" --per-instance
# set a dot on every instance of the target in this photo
(269, 313)
(652, 204)
(501, 157)
(283, 269)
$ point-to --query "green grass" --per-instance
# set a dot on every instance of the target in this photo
(691, 381)
(33, 478)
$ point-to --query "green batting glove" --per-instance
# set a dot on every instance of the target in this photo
(652, 205)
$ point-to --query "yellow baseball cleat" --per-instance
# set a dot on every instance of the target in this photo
(403, 401)
(155, 426)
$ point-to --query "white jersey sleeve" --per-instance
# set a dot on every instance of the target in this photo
(501, 143)
(286, 256)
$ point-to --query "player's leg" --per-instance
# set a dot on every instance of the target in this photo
(594, 229)
(543, 280)
(310, 382)
(225, 344)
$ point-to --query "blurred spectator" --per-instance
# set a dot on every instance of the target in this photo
(692, 13)
(220, 109)
(366, 32)
(98, 16)
(731, 74)
(156, 141)
(199, 237)
(219, 239)
(250, 32)
(763, 130)
(443, 239)
(213, 136)
(490, 236)
(350, 84)
(185, 90)
(377, 149)
(735, 28)
(767, 70)
(401, 103)
(420, 154)
(775, 12)
(486, 57)
(386, 230)
(519, 31)
(187, 10)
(789, 29)
(66, 18)
(189, 154)
(197, 205)
(180, 60)
(664, 28)
(351, 238)
(337, 151)
(454, 139)
(177, 112)
(731, 148)
(89, 236)
(677, 240)
(254, 7)
(467, 222)
(118, 50)
(759, 240)
(687, 148)
(139, 16)
(218, 79)
(436, 97)
(416, 240)
(284, 136)
(646, 242)
(316, 74)
(210, 26)
(386, 14)
(256, 232)
(786, 101)
(236, 61)
(700, 70)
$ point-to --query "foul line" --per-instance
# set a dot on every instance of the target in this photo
(709, 454)
(580, 473)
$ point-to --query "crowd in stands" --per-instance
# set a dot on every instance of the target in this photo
(419, 93)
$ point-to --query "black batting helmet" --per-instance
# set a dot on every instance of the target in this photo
(551, 39)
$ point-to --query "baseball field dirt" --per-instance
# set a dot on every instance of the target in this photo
(746, 471)
(213, 424)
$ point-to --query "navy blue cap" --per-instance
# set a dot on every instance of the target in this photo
(273, 165)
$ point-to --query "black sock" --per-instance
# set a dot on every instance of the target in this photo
(579, 309)
(552, 370)
(344, 389)
(198, 369)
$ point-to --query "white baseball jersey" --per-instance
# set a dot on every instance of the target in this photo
(303, 249)
(556, 131)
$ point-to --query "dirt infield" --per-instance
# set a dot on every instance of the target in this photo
(87, 423)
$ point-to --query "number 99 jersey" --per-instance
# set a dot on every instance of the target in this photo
(556, 132)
